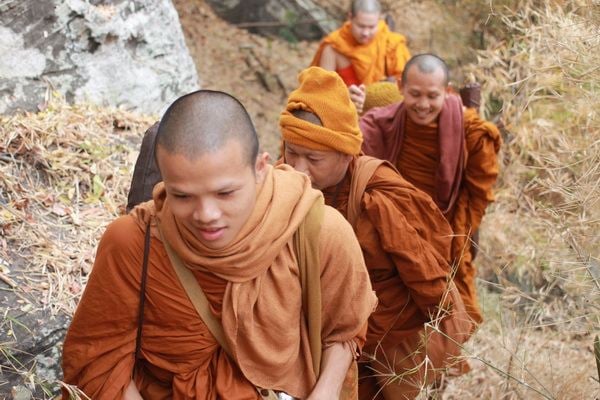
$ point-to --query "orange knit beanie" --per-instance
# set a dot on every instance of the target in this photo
(324, 94)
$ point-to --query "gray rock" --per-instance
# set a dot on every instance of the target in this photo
(291, 19)
(21, 393)
(128, 53)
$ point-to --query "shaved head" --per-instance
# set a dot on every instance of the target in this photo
(365, 6)
(427, 64)
(203, 122)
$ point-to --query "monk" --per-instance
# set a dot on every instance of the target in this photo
(445, 150)
(363, 51)
(230, 217)
(416, 331)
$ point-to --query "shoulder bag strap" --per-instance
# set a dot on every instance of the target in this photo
(306, 247)
(142, 302)
(364, 169)
(197, 297)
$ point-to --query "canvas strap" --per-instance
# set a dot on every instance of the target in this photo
(138, 339)
(364, 168)
(306, 247)
(197, 296)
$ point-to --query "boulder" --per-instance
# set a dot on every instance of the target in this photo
(128, 53)
(290, 19)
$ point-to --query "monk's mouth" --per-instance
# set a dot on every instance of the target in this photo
(210, 234)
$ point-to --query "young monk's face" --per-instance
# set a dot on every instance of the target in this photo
(424, 95)
(213, 195)
(324, 168)
(364, 26)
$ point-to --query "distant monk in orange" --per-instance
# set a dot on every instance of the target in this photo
(363, 51)
(404, 237)
(445, 150)
(226, 219)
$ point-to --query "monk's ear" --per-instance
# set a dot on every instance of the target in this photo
(347, 158)
(400, 87)
(260, 167)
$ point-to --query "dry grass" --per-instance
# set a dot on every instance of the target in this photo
(64, 174)
(541, 237)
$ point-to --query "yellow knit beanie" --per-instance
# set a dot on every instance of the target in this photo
(381, 94)
(324, 94)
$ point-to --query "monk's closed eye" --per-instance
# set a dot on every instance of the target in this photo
(226, 193)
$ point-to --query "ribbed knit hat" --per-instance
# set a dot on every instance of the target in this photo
(380, 94)
(324, 94)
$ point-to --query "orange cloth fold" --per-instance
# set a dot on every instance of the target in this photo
(336, 111)
(252, 286)
(384, 56)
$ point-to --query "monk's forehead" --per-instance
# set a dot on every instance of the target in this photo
(418, 76)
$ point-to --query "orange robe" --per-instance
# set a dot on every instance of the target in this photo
(418, 160)
(259, 305)
(384, 56)
(405, 240)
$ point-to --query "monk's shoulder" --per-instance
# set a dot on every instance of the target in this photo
(389, 182)
(396, 39)
(123, 239)
(334, 224)
(336, 232)
(123, 230)
(388, 190)
(478, 129)
(378, 120)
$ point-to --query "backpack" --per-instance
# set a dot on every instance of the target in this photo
(145, 173)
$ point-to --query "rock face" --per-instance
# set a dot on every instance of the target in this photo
(291, 19)
(127, 53)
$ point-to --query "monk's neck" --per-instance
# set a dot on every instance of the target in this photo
(412, 125)
(337, 195)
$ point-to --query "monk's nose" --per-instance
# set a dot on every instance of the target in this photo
(207, 212)
(301, 166)
(423, 104)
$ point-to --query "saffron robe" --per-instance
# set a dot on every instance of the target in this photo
(259, 305)
(384, 56)
(406, 241)
(418, 159)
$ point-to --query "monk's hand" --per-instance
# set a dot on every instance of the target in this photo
(132, 393)
(335, 362)
(358, 95)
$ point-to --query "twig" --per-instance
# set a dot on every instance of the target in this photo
(7, 280)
